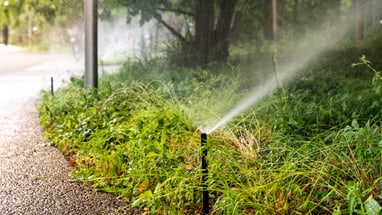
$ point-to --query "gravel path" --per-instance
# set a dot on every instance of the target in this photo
(35, 178)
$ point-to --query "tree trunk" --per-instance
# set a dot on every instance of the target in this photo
(274, 18)
(222, 30)
(5, 34)
(267, 20)
(359, 27)
(295, 14)
(204, 25)
(212, 37)
(235, 26)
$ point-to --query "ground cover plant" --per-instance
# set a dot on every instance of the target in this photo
(312, 146)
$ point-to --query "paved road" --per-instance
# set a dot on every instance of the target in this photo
(35, 178)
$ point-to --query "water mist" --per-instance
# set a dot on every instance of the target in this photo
(314, 46)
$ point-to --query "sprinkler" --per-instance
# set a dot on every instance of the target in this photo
(204, 173)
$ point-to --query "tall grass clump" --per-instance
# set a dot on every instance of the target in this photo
(254, 172)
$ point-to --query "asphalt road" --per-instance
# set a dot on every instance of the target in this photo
(35, 178)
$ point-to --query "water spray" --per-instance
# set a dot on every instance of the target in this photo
(286, 71)
(203, 138)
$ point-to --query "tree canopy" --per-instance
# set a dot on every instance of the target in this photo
(206, 29)
(202, 28)
(23, 15)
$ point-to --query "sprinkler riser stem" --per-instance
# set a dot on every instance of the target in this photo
(204, 172)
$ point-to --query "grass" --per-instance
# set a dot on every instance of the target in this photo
(312, 147)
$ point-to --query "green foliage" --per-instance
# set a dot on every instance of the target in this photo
(43, 15)
(329, 94)
(139, 140)
(312, 147)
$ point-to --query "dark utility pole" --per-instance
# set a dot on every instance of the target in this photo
(91, 61)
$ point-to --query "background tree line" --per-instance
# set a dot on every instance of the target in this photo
(24, 20)
(204, 31)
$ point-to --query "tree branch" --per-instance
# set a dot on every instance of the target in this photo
(179, 11)
(172, 30)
